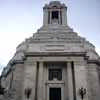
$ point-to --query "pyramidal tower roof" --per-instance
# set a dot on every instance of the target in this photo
(55, 38)
(55, 35)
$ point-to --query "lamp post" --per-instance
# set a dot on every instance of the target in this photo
(28, 92)
(82, 92)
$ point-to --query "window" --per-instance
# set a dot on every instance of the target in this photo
(55, 70)
(54, 14)
(55, 74)
(48, 17)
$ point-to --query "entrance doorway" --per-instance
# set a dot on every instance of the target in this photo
(54, 93)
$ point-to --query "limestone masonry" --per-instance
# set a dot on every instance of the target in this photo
(54, 64)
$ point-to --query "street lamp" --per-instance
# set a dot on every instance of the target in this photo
(28, 92)
(82, 92)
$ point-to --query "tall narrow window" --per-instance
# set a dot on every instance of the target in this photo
(48, 17)
(60, 17)
(55, 14)
(55, 17)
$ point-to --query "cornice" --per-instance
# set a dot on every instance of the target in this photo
(93, 61)
(16, 62)
(54, 54)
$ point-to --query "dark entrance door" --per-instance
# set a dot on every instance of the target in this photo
(55, 94)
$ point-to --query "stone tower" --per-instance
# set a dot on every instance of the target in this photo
(54, 64)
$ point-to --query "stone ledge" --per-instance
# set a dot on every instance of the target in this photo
(55, 54)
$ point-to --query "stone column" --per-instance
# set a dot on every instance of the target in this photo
(50, 17)
(70, 82)
(80, 78)
(59, 22)
(64, 17)
(45, 17)
(30, 77)
(40, 82)
(45, 78)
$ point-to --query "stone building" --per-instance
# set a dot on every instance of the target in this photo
(54, 64)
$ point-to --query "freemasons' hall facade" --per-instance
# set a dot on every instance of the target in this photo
(54, 64)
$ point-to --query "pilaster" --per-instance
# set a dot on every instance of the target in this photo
(45, 17)
(70, 82)
(80, 78)
(94, 88)
(30, 78)
(17, 82)
(64, 17)
(40, 82)
(50, 17)
(59, 18)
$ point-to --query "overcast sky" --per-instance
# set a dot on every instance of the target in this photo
(19, 19)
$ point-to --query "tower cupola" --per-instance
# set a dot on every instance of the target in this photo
(55, 13)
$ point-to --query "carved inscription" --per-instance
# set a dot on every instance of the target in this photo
(54, 47)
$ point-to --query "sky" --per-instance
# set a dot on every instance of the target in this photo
(19, 19)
